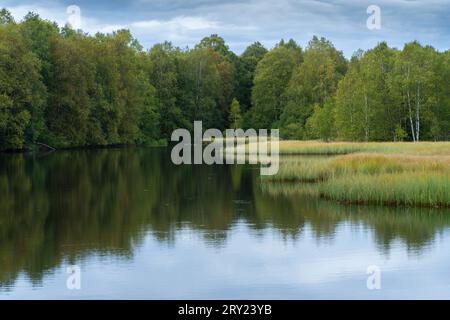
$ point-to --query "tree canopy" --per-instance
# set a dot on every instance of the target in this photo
(66, 88)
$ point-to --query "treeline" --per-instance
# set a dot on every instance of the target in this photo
(382, 94)
(65, 88)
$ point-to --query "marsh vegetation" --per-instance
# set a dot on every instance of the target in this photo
(410, 174)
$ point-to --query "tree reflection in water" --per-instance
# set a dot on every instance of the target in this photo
(69, 205)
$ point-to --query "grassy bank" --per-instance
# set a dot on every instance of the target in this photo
(340, 148)
(297, 147)
(380, 173)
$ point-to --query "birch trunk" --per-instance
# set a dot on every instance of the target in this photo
(409, 106)
(418, 114)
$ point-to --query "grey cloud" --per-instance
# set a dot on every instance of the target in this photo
(241, 22)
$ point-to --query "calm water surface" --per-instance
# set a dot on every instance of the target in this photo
(142, 228)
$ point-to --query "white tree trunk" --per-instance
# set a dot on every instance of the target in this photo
(409, 106)
(418, 114)
(410, 117)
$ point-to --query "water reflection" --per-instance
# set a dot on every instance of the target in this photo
(68, 206)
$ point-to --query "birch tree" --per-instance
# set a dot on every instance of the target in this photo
(415, 78)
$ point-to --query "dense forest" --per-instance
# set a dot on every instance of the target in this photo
(65, 88)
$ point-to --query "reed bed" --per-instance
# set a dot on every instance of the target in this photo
(403, 177)
(420, 189)
(291, 188)
(295, 147)
(340, 148)
(301, 169)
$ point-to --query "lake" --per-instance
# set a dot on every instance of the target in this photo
(139, 227)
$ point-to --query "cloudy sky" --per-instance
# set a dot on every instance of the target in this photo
(241, 22)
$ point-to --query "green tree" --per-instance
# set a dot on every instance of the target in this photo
(235, 118)
(349, 122)
(206, 86)
(312, 82)
(217, 44)
(415, 79)
(321, 123)
(107, 105)
(367, 108)
(290, 44)
(39, 35)
(70, 101)
(227, 66)
(272, 75)
(21, 90)
(440, 122)
(246, 73)
(137, 94)
(6, 17)
(163, 75)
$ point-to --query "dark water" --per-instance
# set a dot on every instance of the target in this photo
(139, 227)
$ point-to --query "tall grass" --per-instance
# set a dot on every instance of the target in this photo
(401, 178)
(301, 169)
(419, 189)
(340, 148)
(290, 188)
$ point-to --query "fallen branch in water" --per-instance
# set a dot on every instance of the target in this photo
(46, 145)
